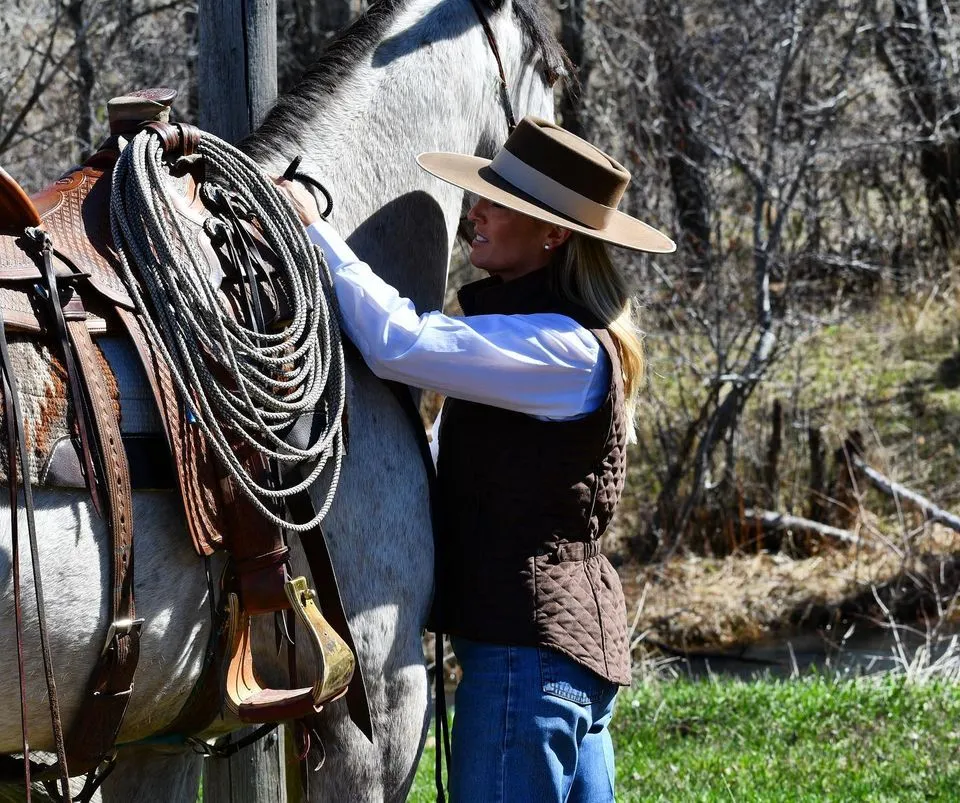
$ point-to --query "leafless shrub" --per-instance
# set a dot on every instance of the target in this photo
(773, 140)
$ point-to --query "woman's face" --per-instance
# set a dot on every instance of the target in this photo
(510, 244)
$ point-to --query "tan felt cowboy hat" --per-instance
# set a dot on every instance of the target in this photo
(546, 172)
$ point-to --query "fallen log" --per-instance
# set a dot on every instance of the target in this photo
(770, 520)
(895, 489)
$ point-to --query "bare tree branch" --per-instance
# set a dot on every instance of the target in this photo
(775, 522)
(895, 489)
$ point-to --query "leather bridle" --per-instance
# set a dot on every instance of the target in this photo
(504, 87)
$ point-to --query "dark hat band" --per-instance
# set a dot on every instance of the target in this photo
(548, 191)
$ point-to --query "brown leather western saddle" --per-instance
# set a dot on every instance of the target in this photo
(59, 284)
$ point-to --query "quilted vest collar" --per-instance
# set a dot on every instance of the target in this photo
(535, 292)
(532, 292)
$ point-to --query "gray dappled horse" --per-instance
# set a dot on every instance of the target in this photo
(409, 76)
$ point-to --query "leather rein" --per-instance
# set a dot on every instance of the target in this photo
(403, 396)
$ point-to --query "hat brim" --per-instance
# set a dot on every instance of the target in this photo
(473, 173)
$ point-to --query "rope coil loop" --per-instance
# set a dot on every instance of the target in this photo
(246, 387)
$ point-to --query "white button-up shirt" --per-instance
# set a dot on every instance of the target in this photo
(544, 364)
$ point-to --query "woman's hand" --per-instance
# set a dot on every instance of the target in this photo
(301, 198)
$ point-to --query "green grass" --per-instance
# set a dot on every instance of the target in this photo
(803, 740)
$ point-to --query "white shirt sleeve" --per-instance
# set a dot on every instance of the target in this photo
(546, 365)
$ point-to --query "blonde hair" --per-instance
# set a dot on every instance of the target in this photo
(586, 276)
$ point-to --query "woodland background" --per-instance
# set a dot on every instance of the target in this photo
(806, 154)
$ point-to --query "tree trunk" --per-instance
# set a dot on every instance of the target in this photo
(771, 469)
(84, 82)
(817, 474)
(687, 154)
(909, 50)
(776, 522)
(573, 37)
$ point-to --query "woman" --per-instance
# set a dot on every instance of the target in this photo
(541, 376)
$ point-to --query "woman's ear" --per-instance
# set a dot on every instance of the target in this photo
(557, 236)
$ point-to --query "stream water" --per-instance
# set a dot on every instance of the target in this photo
(858, 651)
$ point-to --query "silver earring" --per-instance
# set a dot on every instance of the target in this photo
(546, 247)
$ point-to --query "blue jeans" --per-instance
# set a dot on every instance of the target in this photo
(529, 725)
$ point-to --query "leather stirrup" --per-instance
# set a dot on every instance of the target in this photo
(250, 701)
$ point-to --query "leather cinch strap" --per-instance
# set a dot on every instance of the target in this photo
(58, 327)
(93, 735)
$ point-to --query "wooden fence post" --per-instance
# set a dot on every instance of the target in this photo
(237, 65)
(237, 76)
(255, 774)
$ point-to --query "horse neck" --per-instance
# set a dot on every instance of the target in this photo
(430, 84)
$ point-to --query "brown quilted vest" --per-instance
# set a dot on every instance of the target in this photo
(525, 502)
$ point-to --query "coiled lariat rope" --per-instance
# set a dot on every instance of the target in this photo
(243, 387)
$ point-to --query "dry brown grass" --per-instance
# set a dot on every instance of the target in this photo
(694, 602)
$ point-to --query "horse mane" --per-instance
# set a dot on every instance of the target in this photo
(539, 29)
(284, 122)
